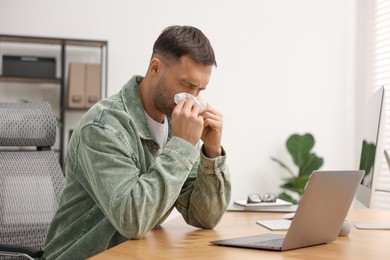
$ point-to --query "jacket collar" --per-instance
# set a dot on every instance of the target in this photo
(134, 107)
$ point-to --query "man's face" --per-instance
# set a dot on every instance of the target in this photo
(186, 75)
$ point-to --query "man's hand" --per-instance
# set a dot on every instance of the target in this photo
(212, 132)
(186, 121)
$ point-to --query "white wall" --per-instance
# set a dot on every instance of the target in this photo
(284, 66)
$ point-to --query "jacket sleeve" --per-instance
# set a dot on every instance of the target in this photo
(206, 193)
(115, 172)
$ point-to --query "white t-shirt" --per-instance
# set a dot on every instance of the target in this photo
(158, 130)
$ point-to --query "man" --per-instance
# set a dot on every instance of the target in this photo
(136, 155)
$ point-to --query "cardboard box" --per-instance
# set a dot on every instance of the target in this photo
(76, 85)
(84, 88)
(92, 84)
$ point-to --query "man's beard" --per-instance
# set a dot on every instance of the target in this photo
(162, 99)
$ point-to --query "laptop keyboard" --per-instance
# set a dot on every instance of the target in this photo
(277, 242)
(275, 224)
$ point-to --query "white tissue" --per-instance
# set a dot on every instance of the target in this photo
(200, 101)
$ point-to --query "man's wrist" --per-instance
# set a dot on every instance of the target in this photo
(212, 153)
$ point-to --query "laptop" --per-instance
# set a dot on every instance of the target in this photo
(319, 216)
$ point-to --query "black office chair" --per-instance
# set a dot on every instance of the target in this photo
(31, 178)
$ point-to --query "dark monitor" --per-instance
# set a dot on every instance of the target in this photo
(372, 146)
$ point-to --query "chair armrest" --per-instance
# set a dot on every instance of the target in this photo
(31, 251)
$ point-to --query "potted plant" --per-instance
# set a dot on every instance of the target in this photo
(299, 147)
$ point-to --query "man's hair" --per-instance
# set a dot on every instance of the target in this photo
(177, 41)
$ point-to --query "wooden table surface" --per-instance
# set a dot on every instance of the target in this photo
(177, 240)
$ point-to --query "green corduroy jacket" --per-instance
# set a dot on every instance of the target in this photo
(118, 187)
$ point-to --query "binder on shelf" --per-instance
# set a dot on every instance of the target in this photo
(76, 87)
(84, 88)
(92, 84)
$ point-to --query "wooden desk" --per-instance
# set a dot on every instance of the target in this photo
(177, 240)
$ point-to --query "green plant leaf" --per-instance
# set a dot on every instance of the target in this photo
(287, 197)
(299, 147)
(283, 165)
(296, 184)
(368, 157)
(311, 162)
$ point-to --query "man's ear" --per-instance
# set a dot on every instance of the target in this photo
(155, 65)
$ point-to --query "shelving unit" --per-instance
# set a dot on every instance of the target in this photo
(60, 80)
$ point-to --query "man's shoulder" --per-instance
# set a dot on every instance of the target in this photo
(108, 104)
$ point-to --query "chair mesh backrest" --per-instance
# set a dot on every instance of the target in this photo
(30, 180)
(27, 124)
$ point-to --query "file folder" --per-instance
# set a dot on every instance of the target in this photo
(92, 84)
(84, 89)
(76, 85)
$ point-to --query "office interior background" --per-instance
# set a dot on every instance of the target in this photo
(284, 67)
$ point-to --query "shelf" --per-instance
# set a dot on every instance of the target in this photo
(76, 109)
(29, 80)
(63, 53)
(27, 39)
(57, 41)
